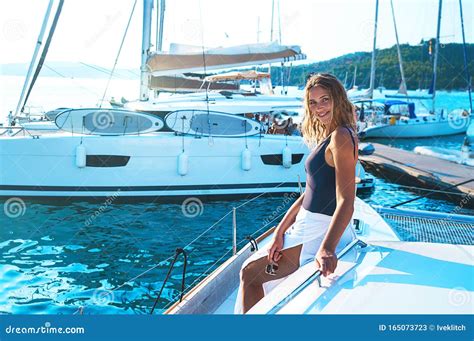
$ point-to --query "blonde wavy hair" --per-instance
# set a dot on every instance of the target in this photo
(342, 109)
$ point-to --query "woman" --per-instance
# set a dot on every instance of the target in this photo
(315, 227)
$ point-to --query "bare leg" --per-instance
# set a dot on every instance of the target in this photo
(254, 275)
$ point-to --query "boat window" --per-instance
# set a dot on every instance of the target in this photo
(106, 160)
(277, 159)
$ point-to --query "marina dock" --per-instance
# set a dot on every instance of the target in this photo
(406, 167)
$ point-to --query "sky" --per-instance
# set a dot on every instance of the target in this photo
(90, 31)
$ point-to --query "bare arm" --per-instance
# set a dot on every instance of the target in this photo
(344, 162)
(289, 218)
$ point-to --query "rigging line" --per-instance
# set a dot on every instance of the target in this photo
(227, 252)
(143, 273)
(198, 237)
(167, 259)
(208, 229)
(103, 70)
(430, 190)
(205, 273)
(96, 68)
(118, 54)
(258, 196)
(425, 195)
(270, 222)
(44, 53)
(71, 78)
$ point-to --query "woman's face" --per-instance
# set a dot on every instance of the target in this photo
(320, 104)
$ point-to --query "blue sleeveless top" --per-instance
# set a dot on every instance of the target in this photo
(320, 193)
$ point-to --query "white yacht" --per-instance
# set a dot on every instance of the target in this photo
(102, 152)
(380, 272)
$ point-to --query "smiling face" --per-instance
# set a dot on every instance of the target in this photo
(321, 105)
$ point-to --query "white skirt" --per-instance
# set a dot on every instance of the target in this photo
(309, 229)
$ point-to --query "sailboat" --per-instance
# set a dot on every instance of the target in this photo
(401, 118)
(379, 272)
(103, 152)
(466, 154)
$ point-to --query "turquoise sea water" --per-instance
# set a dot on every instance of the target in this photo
(63, 258)
(53, 260)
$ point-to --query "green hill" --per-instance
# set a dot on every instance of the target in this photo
(417, 64)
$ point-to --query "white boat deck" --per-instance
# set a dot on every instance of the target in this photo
(376, 274)
(386, 278)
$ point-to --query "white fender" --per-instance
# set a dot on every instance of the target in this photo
(183, 164)
(286, 157)
(81, 156)
(246, 159)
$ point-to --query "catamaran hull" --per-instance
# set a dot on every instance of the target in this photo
(150, 165)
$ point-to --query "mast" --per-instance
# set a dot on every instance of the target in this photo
(271, 25)
(258, 30)
(403, 84)
(146, 38)
(468, 76)
(355, 77)
(372, 66)
(160, 15)
(279, 23)
(435, 63)
(44, 53)
(39, 42)
(282, 74)
(271, 35)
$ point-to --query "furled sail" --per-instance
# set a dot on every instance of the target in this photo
(182, 59)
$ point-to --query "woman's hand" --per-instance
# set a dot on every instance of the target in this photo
(274, 251)
(326, 260)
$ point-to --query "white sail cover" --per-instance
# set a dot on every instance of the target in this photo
(189, 59)
(238, 75)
